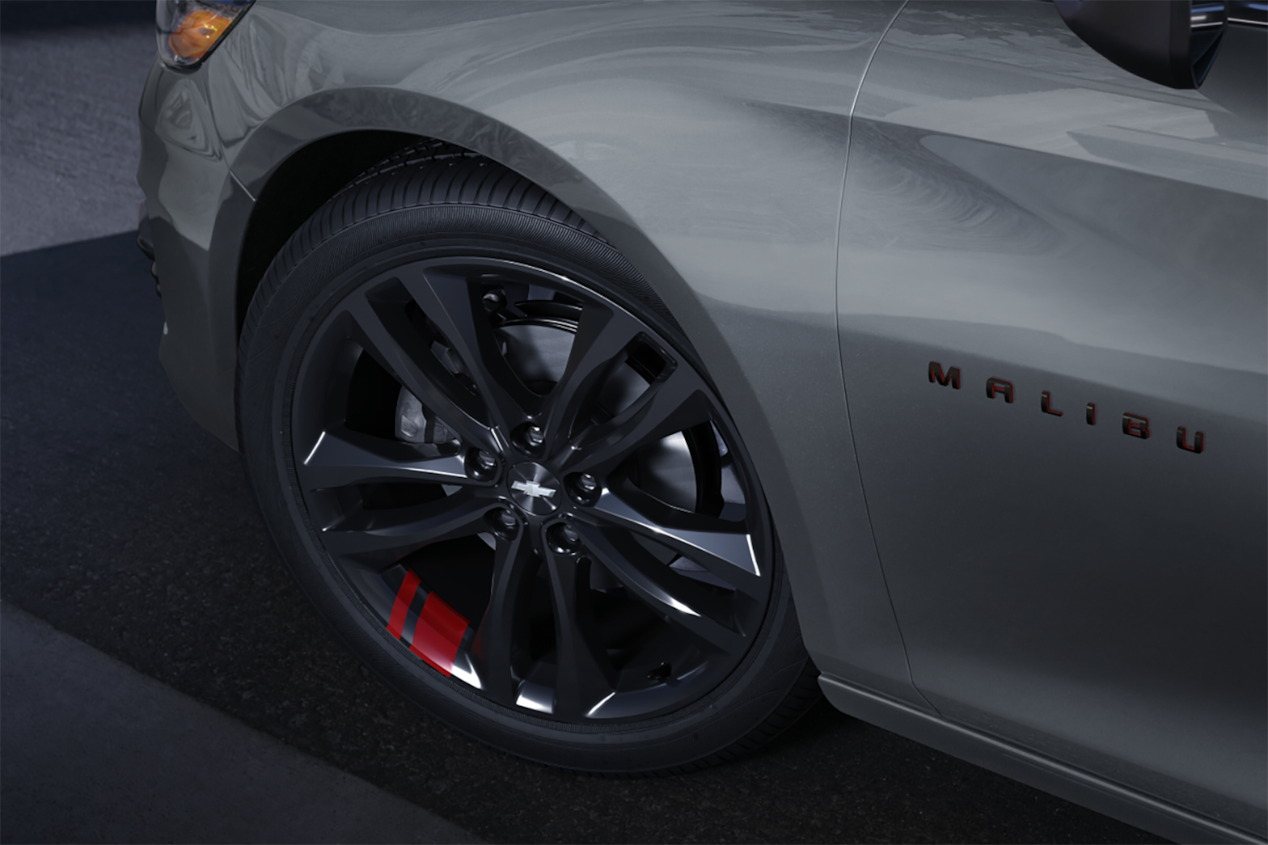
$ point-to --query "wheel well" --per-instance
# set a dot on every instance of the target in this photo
(299, 187)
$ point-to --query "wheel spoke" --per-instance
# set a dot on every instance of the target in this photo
(503, 631)
(682, 601)
(452, 303)
(342, 457)
(597, 349)
(670, 404)
(584, 674)
(566, 394)
(385, 332)
(721, 546)
(374, 536)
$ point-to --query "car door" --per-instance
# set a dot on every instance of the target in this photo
(1052, 321)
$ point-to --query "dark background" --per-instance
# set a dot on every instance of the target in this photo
(125, 525)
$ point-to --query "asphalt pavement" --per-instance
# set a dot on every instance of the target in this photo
(146, 763)
(186, 660)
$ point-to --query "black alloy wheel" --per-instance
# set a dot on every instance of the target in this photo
(493, 465)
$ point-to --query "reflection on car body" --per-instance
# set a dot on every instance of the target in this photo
(599, 369)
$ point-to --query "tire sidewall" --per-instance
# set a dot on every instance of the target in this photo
(303, 286)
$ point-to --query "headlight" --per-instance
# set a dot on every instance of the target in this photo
(188, 30)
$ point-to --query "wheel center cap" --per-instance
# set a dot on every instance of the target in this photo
(534, 489)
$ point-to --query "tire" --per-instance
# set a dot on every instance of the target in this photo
(496, 467)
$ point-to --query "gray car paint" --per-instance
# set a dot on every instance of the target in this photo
(1020, 208)
(708, 142)
(709, 97)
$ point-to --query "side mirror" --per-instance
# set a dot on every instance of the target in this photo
(1171, 42)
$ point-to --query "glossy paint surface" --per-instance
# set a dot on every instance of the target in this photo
(1021, 209)
(707, 141)
(1003, 201)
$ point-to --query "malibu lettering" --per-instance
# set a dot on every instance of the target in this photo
(1134, 425)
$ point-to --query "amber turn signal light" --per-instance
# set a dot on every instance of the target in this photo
(196, 33)
(188, 30)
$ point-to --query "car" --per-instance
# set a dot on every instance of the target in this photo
(616, 378)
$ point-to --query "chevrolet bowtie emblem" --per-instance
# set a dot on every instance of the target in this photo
(532, 488)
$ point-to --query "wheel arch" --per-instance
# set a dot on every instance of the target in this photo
(297, 187)
(305, 153)
(723, 325)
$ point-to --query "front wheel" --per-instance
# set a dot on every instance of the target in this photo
(496, 468)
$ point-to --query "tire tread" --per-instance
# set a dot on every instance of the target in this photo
(436, 173)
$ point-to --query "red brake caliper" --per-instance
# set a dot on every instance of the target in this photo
(438, 631)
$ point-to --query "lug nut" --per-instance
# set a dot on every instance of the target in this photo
(505, 522)
(481, 465)
(563, 538)
(493, 300)
(584, 488)
(534, 436)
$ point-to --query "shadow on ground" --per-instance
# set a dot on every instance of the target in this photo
(127, 526)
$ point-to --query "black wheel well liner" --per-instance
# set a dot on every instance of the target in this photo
(312, 175)
(296, 189)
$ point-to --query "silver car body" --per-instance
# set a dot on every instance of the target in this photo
(831, 197)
